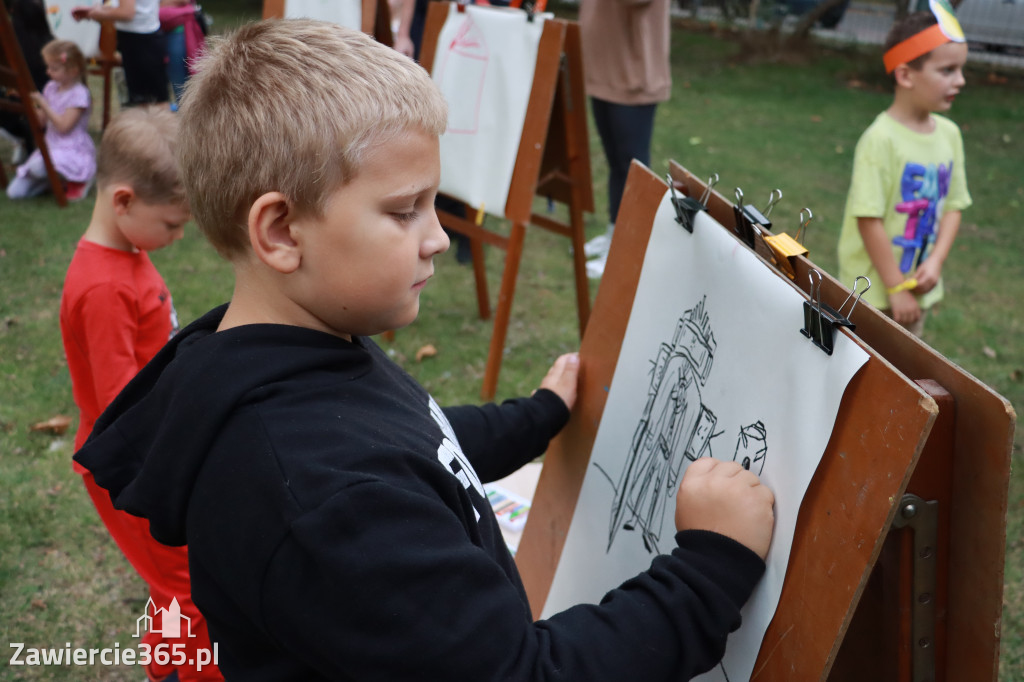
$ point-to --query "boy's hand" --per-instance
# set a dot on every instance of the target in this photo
(927, 276)
(726, 498)
(79, 13)
(905, 309)
(563, 377)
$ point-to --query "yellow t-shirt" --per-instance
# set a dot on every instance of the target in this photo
(909, 180)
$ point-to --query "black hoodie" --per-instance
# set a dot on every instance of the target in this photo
(337, 529)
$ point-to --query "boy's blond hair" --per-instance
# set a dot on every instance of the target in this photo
(290, 106)
(139, 148)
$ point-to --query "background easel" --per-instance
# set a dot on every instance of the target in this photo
(104, 63)
(376, 17)
(553, 162)
(896, 629)
(15, 78)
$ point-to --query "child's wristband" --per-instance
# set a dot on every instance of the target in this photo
(902, 286)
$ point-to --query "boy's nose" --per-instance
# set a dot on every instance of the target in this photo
(438, 241)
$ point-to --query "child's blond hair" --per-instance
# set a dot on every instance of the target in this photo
(139, 149)
(68, 54)
(290, 106)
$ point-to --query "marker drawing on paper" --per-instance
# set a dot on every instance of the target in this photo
(676, 428)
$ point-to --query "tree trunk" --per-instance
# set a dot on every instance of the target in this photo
(807, 21)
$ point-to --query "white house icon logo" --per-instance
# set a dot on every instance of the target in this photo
(170, 621)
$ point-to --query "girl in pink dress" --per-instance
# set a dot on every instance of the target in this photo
(63, 107)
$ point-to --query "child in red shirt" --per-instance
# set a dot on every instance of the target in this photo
(115, 314)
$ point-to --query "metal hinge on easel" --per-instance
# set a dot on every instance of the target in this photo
(922, 517)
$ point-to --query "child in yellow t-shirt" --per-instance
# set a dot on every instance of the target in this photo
(909, 184)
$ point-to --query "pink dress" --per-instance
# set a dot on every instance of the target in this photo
(73, 153)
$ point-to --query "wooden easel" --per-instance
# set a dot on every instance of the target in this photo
(16, 78)
(376, 17)
(104, 63)
(553, 161)
(896, 628)
(818, 590)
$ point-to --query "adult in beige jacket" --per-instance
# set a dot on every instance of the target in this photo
(626, 65)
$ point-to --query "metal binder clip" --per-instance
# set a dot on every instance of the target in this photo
(821, 320)
(784, 247)
(804, 222)
(686, 206)
(705, 196)
(747, 216)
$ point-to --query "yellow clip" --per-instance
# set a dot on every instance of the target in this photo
(783, 248)
(480, 215)
(902, 286)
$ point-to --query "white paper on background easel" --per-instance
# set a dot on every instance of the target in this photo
(484, 66)
(348, 13)
(712, 364)
(85, 34)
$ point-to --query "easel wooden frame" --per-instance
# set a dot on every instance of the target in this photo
(883, 465)
(15, 76)
(553, 161)
(376, 16)
(964, 467)
(104, 63)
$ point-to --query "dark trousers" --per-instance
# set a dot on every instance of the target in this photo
(144, 60)
(625, 131)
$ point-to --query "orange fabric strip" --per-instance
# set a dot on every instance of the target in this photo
(914, 46)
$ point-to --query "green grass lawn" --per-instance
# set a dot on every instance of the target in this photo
(787, 123)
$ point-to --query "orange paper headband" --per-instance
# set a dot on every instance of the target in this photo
(914, 46)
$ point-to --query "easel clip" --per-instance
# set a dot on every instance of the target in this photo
(821, 320)
(747, 215)
(785, 247)
(686, 206)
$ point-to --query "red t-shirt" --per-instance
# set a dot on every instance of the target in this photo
(115, 314)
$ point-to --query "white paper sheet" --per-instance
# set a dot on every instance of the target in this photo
(712, 364)
(484, 67)
(85, 34)
(348, 13)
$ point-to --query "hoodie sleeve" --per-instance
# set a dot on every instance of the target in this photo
(498, 439)
(382, 584)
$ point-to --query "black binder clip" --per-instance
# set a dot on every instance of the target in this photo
(747, 216)
(821, 320)
(686, 206)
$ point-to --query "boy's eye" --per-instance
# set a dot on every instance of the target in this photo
(406, 217)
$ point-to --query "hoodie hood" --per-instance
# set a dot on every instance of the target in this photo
(149, 445)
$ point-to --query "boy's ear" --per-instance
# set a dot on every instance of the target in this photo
(270, 233)
(122, 197)
(902, 75)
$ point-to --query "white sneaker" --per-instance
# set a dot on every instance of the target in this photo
(598, 246)
(595, 267)
(19, 154)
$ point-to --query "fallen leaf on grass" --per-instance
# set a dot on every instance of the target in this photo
(38, 604)
(56, 425)
(427, 351)
(1017, 375)
(988, 353)
(815, 119)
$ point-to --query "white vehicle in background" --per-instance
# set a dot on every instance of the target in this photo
(993, 24)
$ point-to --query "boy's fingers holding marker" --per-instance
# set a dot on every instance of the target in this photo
(726, 498)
